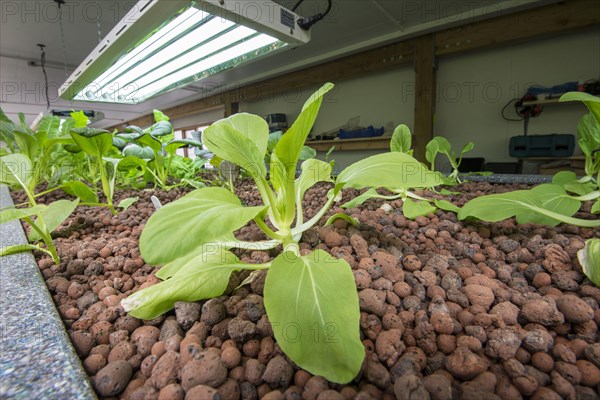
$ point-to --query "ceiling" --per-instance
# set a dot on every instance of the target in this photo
(352, 25)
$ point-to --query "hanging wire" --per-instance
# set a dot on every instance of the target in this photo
(62, 38)
(306, 22)
(43, 62)
(297, 5)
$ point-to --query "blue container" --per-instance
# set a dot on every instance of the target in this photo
(361, 133)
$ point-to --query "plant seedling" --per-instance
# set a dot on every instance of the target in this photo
(413, 205)
(441, 145)
(310, 294)
(15, 169)
(547, 204)
(156, 148)
(98, 145)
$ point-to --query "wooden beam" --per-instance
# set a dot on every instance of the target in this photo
(231, 106)
(425, 78)
(380, 59)
(518, 26)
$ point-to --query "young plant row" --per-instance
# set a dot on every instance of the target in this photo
(67, 155)
(193, 237)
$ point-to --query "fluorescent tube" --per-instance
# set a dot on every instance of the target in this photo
(147, 54)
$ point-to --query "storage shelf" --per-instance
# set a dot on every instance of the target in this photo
(371, 143)
(548, 102)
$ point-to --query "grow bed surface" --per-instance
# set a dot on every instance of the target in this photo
(449, 309)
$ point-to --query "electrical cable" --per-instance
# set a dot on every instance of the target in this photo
(43, 62)
(297, 5)
(306, 22)
(504, 111)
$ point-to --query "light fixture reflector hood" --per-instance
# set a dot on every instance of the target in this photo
(162, 45)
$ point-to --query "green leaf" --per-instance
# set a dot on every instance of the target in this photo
(135, 150)
(72, 148)
(228, 170)
(307, 153)
(253, 127)
(15, 169)
(431, 150)
(81, 120)
(596, 207)
(118, 142)
(589, 258)
(4, 117)
(467, 147)
(390, 170)
(133, 130)
(413, 209)
(194, 184)
(81, 190)
(48, 127)
(173, 145)
(592, 102)
(345, 217)
(225, 141)
(128, 202)
(369, 194)
(446, 206)
(313, 171)
(274, 138)
(54, 215)
(198, 217)
(544, 205)
(132, 166)
(95, 142)
(203, 277)
(552, 198)
(313, 308)
(161, 128)
(401, 139)
(12, 214)
(27, 143)
(21, 248)
(159, 116)
(563, 177)
(443, 144)
(150, 141)
(288, 149)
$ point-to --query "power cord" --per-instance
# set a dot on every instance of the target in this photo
(504, 111)
(43, 62)
(306, 22)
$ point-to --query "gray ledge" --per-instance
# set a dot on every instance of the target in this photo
(37, 359)
(508, 178)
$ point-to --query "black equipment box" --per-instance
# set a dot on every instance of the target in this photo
(556, 145)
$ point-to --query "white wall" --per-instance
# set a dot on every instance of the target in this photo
(378, 99)
(473, 88)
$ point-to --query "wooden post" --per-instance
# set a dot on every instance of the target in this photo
(425, 81)
(231, 106)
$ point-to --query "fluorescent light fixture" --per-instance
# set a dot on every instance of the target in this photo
(162, 45)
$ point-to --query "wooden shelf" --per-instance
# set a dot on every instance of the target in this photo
(549, 102)
(372, 143)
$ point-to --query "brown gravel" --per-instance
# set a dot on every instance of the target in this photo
(449, 310)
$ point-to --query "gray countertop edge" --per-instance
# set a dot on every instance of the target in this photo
(37, 359)
(508, 178)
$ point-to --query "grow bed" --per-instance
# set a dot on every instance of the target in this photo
(449, 309)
